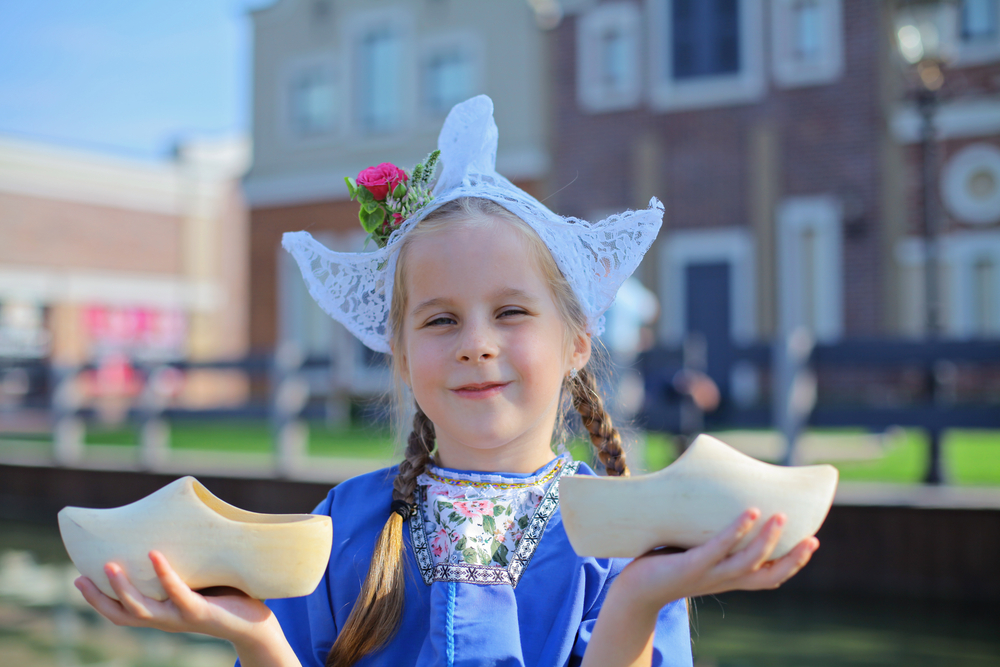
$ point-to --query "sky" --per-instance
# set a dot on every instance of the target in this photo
(129, 77)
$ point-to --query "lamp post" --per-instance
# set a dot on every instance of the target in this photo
(925, 31)
(925, 36)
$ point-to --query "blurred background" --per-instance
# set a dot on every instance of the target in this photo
(826, 286)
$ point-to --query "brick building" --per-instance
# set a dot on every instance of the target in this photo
(107, 257)
(781, 140)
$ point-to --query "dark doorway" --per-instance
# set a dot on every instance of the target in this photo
(707, 308)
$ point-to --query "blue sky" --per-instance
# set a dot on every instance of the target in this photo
(124, 76)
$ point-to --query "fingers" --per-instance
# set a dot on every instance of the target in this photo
(755, 554)
(719, 547)
(107, 607)
(186, 600)
(129, 596)
(775, 573)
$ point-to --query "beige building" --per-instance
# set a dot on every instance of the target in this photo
(103, 256)
(340, 86)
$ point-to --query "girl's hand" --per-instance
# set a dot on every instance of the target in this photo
(234, 616)
(623, 635)
(657, 579)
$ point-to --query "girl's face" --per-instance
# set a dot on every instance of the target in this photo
(484, 347)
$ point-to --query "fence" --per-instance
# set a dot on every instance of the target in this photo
(795, 364)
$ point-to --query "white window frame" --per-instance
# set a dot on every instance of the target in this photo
(748, 85)
(293, 68)
(960, 251)
(354, 28)
(470, 44)
(791, 72)
(592, 94)
(682, 248)
(976, 54)
(821, 215)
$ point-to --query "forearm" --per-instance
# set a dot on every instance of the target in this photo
(269, 648)
(623, 634)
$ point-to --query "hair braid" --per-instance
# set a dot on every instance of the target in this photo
(596, 420)
(376, 614)
(418, 455)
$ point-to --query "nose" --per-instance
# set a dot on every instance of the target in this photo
(477, 343)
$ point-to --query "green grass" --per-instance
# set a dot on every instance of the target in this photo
(970, 457)
(256, 437)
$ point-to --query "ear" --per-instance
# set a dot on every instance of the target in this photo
(580, 353)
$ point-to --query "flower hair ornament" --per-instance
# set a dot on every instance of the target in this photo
(356, 288)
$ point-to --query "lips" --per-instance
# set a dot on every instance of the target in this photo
(480, 389)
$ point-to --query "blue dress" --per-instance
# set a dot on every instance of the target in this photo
(538, 610)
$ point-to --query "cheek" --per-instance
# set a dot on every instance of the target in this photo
(541, 361)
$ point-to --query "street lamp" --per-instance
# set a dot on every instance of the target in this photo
(925, 36)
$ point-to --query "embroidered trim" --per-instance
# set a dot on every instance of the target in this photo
(484, 481)
(484, 574)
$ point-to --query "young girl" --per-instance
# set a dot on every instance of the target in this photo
(487, 302)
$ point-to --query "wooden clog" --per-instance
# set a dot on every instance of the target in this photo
(688, 502)
(207, 541)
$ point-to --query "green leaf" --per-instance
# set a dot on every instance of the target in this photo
(455, 518)
(500, 553)
(461, 544)
(484, 557)
(497, 510)
(510, 508)
(364, 194)
(352, 188)
(469, 555)
(400, 191)
(370, 206)
(523, 522)
(489, 525)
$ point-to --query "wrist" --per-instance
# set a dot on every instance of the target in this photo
(265, 645)
(629, 594)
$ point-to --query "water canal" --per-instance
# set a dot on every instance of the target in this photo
(44, 622)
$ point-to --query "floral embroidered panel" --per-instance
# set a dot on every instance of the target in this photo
(480, 519)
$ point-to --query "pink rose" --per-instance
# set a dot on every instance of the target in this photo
(472, 508)
(382, 180)
(439, 543)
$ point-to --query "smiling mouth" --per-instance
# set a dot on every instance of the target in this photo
(481, 390)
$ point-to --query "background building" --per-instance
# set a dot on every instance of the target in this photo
(109, 260)
(780, 138)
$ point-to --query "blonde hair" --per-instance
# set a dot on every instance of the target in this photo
(375, 617)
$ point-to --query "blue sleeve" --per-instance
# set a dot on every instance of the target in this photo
(308, 621)
(672, 642)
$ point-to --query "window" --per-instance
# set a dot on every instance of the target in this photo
(448, 79)
(807, 30)
(706, 38)
(608, 58)
(380, 82)
(969, 279)
(705, 52)
(978, 32)
(810, 270)
(806, 42)
(313, 101)
(979, 20)
(984, 297)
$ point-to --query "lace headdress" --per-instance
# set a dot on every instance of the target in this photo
(596, 258)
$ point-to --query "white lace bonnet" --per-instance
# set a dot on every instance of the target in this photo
(356, 288)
